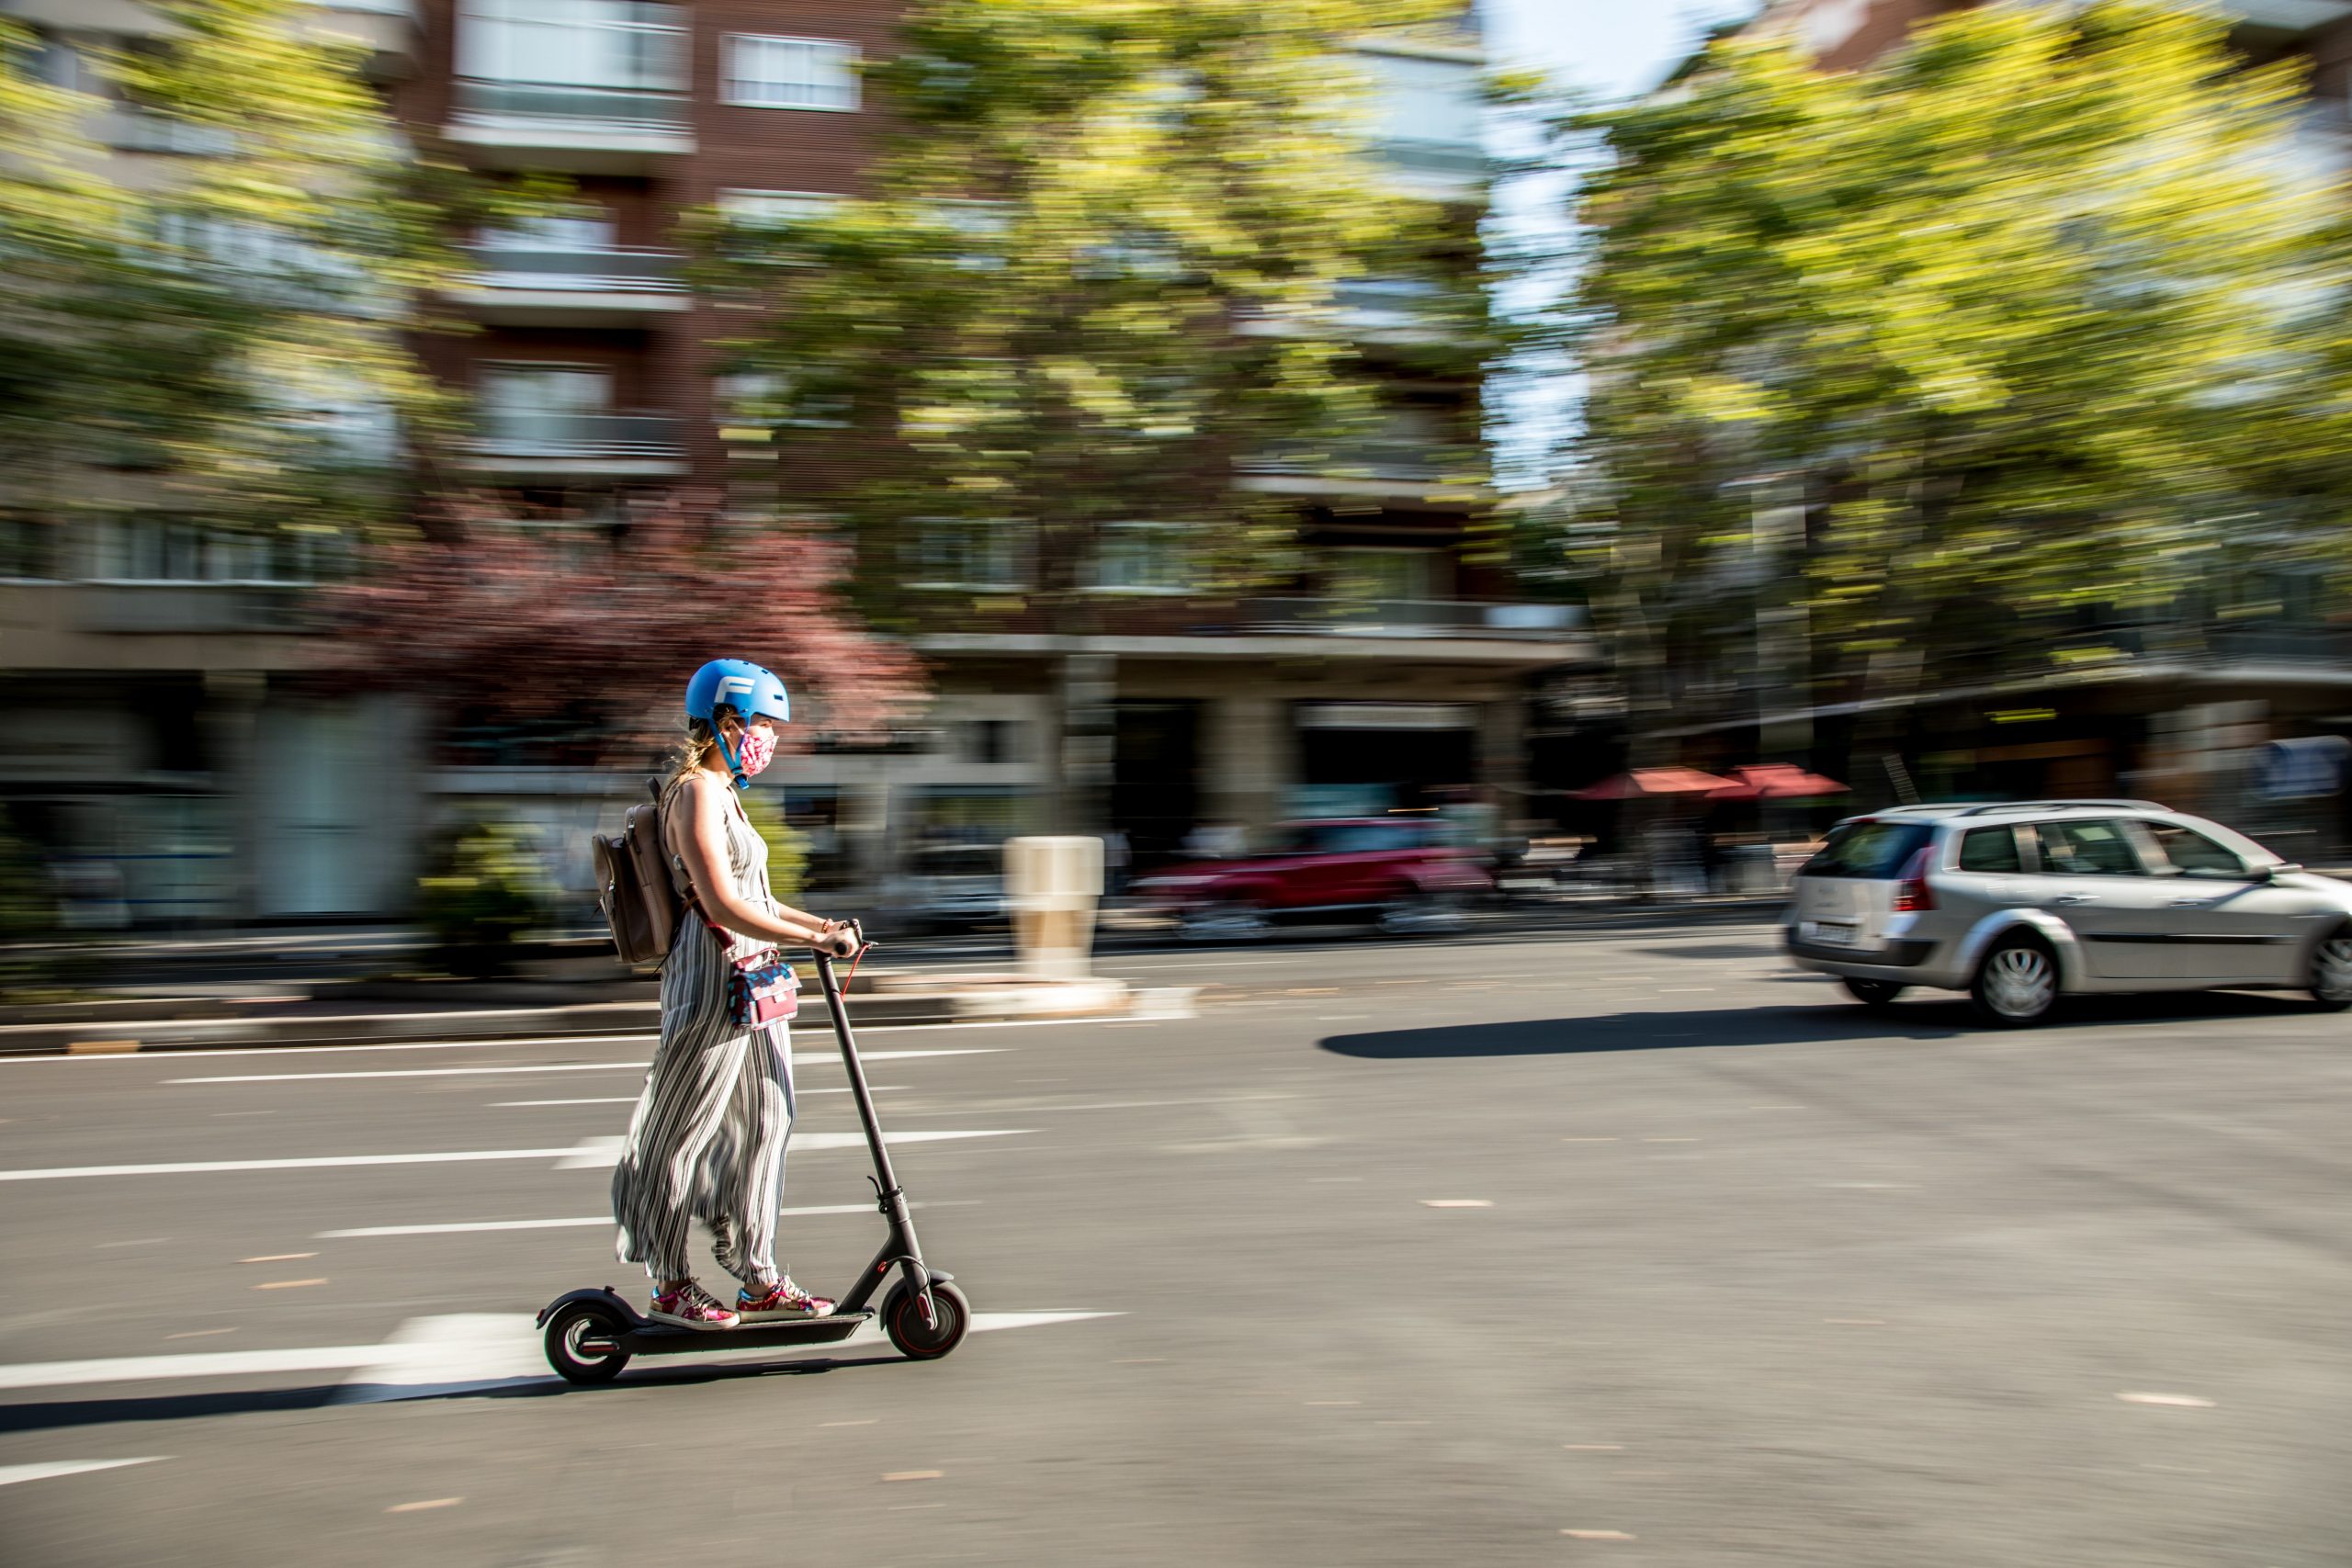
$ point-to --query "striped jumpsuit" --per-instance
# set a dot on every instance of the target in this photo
(707, 1140)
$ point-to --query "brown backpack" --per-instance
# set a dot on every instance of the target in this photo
(634, 886)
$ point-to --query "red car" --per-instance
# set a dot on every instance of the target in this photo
(1405, 872)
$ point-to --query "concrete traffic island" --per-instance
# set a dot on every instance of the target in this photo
(1056, 883)
(386, 1011)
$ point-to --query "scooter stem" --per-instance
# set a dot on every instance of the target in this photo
(892, 1201)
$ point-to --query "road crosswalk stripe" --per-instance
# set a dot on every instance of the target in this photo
(436, 1354)
(587, 1155)
(801, 1059)
(466, 1226)
(12, 1474)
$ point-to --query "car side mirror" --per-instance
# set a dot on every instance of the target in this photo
(2284, 868)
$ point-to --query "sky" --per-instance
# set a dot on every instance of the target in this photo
(1612, 49)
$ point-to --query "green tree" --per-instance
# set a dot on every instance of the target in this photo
(220, 338)
(1031, 321)
(2042, 315)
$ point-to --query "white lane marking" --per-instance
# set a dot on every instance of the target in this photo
(820, 1032)
(435, 1354)
(202, 1166)
(462, 1227)
(602, 1153)
(460, 1352)
(588, 1154)
(984, 1321)
(186, 1364)
(798, 1062)
(12, 1474)
(632, 1099)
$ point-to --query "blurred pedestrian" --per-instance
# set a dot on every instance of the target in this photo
(1117, 855)
(708, 1139)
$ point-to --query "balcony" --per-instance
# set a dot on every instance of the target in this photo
(586, 86)
(571, 286)
(2287, 16)
(1428, 104)
(1403, 634)
(1382, 311)
(392, 31)
(1391, 469)
(1410, 618)
(587, 130)
(128, 129)
(518, 445)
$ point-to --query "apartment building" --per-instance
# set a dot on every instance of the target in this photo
(155, 726)
(1846, 34)
(1393, 667)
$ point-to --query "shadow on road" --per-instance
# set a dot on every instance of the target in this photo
(1943, 1017)
(63, 1414)
(1719, 950)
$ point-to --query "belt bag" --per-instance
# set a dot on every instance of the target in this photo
(762, 990)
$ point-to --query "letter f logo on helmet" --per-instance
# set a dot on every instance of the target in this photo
(740, 684)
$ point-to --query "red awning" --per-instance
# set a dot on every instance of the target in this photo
(1643, 782)
(1776, 781)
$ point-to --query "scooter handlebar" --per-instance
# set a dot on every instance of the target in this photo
(847, 943)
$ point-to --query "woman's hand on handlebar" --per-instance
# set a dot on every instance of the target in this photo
(839, 937)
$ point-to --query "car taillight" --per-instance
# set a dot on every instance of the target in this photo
(1912, 893)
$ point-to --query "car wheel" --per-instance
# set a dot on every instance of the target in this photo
(1414, 911)
(2331, 979)
(1227, 919)
(1874, 993)
(2016, 982)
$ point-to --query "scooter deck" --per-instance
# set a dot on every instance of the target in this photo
(647, 1338)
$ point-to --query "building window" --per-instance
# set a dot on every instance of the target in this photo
(614, 44)
(791, 73)
(1144, 557)
(1381, 575)
(987, 555)
(752, 209)
(584, 229)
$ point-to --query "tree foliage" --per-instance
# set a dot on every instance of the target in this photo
(2044, 313)
(217, 333)
(1032, 314)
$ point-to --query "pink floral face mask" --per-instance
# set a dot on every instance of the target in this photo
(756, 750)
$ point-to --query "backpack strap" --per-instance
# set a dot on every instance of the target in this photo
(679, 882)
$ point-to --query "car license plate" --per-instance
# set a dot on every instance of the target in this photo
(1830, 934)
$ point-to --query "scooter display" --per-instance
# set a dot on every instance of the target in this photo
(591, 1335)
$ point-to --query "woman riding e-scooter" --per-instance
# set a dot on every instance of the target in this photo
(708, 1138)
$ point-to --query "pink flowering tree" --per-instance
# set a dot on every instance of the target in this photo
(576, 646)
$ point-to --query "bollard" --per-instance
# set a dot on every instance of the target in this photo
(1051, 887)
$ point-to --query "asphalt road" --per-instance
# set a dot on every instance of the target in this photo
(1631, 1249)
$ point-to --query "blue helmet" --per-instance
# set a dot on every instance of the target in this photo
(752, 691)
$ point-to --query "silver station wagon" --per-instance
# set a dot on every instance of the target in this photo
(2021, 903)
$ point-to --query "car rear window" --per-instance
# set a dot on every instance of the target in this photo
(1989, 849)
(2086, 849)
(1869, 848)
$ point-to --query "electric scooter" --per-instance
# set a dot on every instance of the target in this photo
(591, 1335)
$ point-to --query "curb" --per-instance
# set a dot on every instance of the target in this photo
(1101, 998)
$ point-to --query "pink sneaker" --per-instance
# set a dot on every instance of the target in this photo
(784, 1299)
(688, 1305)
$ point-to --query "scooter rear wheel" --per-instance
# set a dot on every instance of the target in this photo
(583, 1344)
(918, 1340)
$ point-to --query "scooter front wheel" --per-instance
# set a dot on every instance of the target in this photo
(583, 1344)
(918, 1340)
